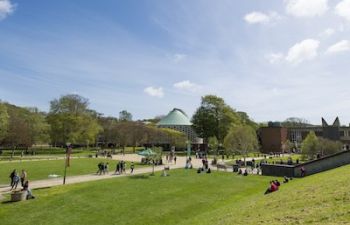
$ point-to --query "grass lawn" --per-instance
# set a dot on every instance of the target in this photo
(41, 169)
(186, 197)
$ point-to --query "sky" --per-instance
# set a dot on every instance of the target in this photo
(273, 59)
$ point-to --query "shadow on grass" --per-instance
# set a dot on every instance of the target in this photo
(142, 176)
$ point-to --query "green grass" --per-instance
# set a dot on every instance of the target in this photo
(41, 169)
(186, 197)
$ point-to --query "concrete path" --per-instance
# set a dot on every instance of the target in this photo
(180, 163)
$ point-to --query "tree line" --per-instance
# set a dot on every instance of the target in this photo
(71, 121)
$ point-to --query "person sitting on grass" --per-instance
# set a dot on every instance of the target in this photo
(245, 172)
(277, 183)
(286, 179)
(29, 192)
(273, 187)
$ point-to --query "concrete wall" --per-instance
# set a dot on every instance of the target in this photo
(312, 167)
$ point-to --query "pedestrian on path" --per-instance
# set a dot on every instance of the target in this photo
(175, 160)
(132, 167)
(23, 177)
(12, 175)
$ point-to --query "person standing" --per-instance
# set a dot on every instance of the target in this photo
(132, 167)
(15, 181)
(175, 160)
(23, 177)
(12, 175)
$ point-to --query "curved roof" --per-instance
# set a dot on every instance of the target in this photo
(175, 117)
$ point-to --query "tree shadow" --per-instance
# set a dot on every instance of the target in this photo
(142, 176)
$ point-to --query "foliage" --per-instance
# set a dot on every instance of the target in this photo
(26, 126)
(328, 147)
(125, 116)
(242, 139)
(309, 146)
(72, 121)
(214, 118)
(4, 121)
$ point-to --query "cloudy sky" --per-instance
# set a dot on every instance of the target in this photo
(272, 59)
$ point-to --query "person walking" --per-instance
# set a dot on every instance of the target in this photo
(23, 177)
(15, 181)
(12, 175)
(175, 160)
(132, 167)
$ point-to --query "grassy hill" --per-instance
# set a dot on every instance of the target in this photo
(189, 198)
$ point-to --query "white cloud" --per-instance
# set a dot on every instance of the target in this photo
(259, 17)
(343, 9)
(179, 57)
(154, 92)
(341, 46)
(187, 86)
(274, 57)
(327, 32)
(306, 8)
(304, 50)
(6, 8)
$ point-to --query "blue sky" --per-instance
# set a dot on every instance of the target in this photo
(272, 59)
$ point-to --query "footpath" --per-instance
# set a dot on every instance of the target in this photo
(180, 163)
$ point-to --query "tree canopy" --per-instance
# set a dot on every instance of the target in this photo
(72, 121)
(242, 139)
(214, 118)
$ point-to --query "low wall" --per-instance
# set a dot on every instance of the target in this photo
(311, 167)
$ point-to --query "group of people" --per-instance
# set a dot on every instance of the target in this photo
(15, 179)
(102, 168)
(121, 167)
(275, 184)
(205, 167)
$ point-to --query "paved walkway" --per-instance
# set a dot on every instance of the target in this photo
(180, 163)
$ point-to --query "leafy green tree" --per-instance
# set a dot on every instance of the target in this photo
(214, 118)
(309, 147)
(125, 116)
(242, 139)
(328, 147)
(72, 121)
(4, 121)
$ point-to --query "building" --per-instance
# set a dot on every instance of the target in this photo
(272, 137)
(178, 120)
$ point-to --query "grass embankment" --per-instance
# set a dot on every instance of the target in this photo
(186, 197)
(38, 170)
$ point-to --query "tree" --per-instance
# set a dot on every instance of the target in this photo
(328, 147)
(309, 146)
(214, 118)
(242, 139)
(4, 121)
(72, 121)
(125, 116)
